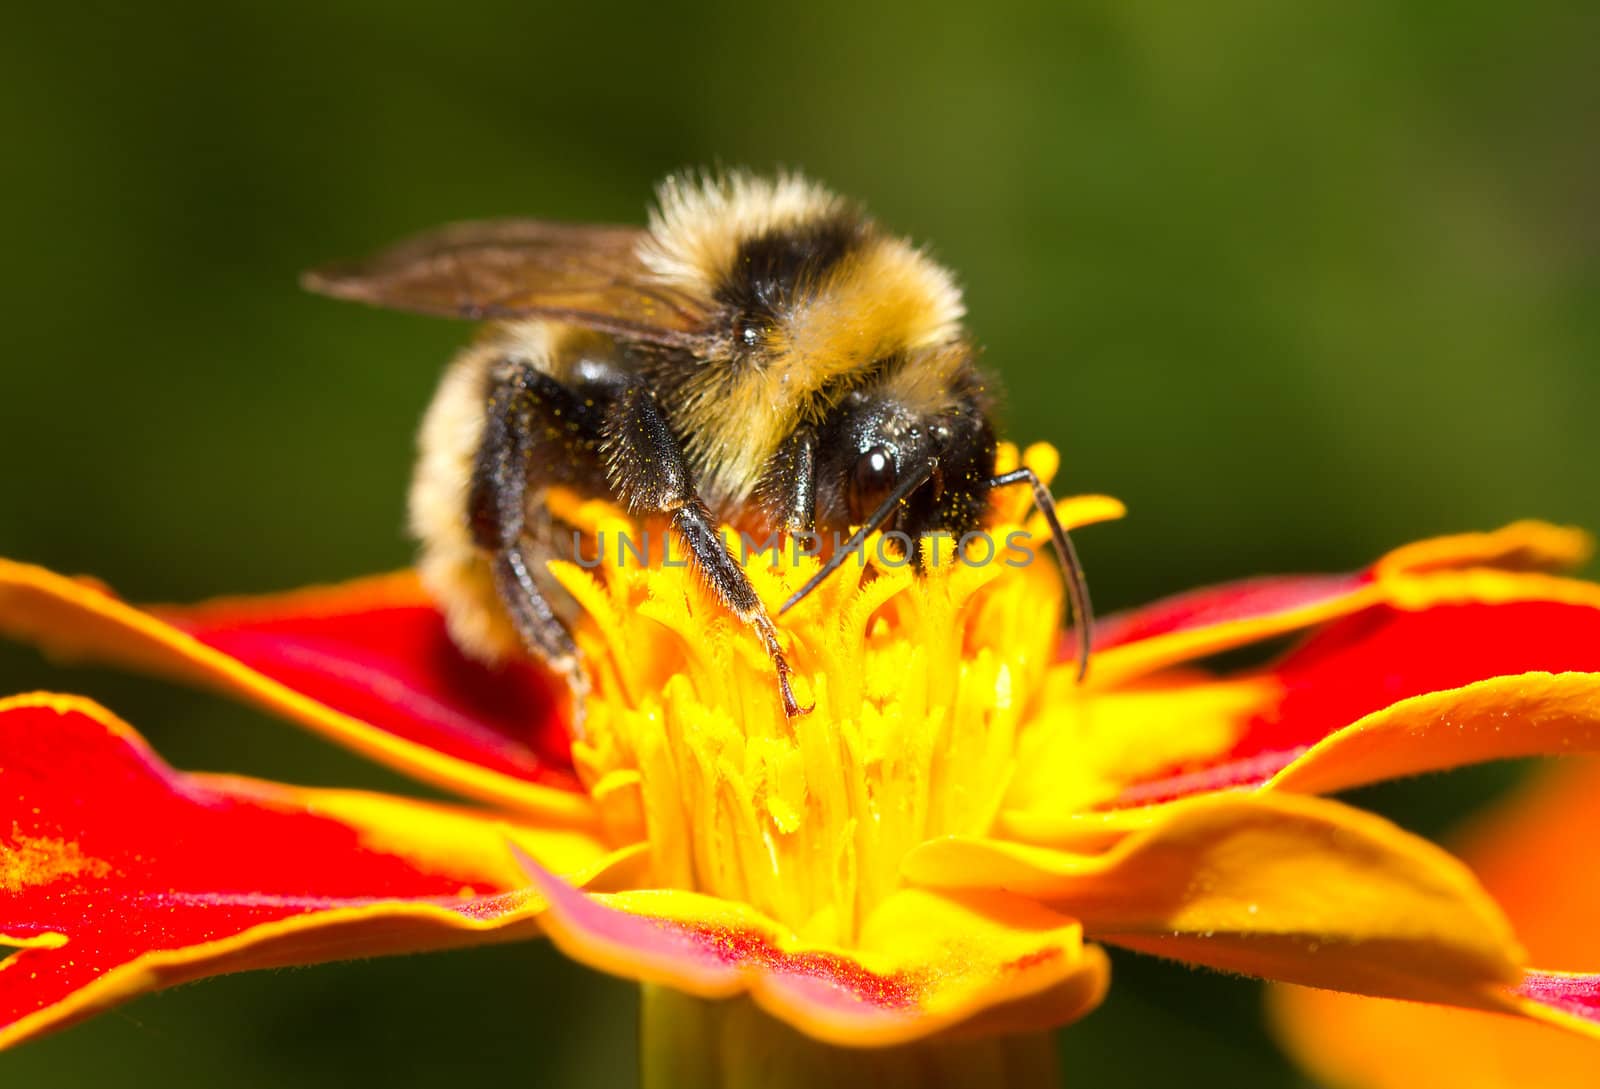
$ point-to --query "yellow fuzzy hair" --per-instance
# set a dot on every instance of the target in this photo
(886, 297)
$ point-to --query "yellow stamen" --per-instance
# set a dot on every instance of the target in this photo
(923, 686)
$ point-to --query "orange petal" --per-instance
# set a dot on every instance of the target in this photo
(1539, 855)
(119, 875)
(924, 963)
(1204, 622)
(1349, 1042)
(1545, 838)
(1278, 886)
(367, 664)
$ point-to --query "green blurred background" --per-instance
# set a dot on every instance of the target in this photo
(1298, 282)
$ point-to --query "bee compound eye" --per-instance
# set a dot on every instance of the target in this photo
(871, 481)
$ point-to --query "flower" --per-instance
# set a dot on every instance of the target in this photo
(1538, 853)
(939, 848)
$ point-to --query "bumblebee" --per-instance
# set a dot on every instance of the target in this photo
(763, 354)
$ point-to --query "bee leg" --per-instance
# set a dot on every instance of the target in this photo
(525, 407)
(541, 630)
(787, 492)
(649, 473)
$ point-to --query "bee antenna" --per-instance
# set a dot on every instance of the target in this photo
(1077, 585)
(878, 517)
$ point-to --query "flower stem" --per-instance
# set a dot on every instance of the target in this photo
(692, 1043)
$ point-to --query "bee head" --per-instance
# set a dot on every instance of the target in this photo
(935, 459)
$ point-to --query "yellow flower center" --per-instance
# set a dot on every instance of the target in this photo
(923, 685)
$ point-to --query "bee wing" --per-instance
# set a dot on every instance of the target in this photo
(516, 268)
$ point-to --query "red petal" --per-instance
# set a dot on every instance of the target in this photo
(1382, 656)
(1203, 622)
(1375, 659)
(924, 963)
(1244, 602)
(119, 875)
(367, 663)
(1208, 621)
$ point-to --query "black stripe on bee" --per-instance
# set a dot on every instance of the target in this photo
(774, 271)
